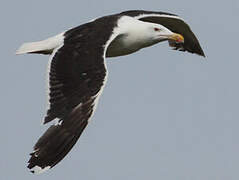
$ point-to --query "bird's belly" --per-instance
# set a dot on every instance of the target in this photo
(120, 49)
(122, 46)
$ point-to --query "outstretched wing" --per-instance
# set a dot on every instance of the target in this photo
(175, 24)
(76, 78)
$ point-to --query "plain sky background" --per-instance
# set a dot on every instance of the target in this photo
(163, 115)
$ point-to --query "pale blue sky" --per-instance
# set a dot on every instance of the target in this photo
(163, 115)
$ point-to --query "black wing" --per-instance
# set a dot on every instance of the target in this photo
(77, 75)
(175, 24)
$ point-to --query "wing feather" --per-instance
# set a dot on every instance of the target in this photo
(76, 79)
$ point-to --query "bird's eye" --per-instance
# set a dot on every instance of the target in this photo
(156, 29)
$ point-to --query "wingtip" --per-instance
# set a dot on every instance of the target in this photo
(34, 167)
(38, 170)
(202, 54)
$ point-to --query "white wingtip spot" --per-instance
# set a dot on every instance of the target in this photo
(39, 170)
(58, 122)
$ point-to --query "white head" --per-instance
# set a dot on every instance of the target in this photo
(158, 33)
(143, 34)
(137, 34)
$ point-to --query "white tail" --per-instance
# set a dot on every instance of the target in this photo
(47, 45)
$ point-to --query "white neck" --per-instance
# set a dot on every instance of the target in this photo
(134, 36)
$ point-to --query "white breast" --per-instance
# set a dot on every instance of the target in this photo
(122, 46)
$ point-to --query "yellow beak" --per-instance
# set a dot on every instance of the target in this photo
(176, 37)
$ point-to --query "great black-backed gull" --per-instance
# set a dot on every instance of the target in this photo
(77, 70)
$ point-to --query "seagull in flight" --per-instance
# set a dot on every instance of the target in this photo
(77, 70)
